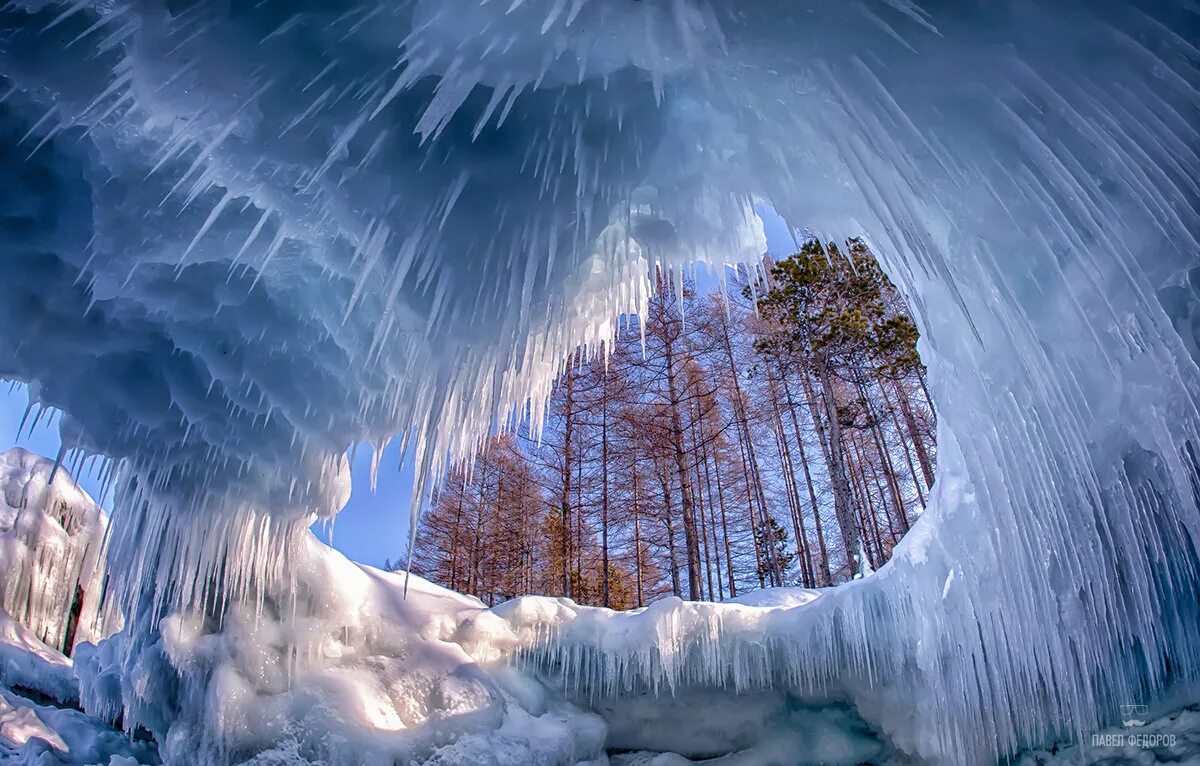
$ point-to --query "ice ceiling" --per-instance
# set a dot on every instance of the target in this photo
(236, 237)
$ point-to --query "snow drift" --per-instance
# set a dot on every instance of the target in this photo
(239, 237)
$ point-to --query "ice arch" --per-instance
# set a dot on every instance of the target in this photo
(239, 236)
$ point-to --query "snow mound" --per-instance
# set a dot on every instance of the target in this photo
(777, 597)
(347, 669)
(359, 673)
(52, 540)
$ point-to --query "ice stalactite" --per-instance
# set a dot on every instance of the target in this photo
(240, 237)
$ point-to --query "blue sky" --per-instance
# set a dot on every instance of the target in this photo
(374, 525)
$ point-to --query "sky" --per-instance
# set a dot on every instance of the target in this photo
(373, 527)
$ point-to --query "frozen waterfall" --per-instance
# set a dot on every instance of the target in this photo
(238, 237)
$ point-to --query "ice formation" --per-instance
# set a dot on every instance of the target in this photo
(239, 237)
(52, 538)
(355, 672)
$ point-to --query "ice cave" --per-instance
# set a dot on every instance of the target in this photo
(238, 237)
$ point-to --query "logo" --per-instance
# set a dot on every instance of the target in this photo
(1133, 715)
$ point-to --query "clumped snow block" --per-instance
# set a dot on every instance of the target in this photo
(242, 236)
(52, 537)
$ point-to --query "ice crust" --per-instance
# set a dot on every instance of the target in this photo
(238, 238)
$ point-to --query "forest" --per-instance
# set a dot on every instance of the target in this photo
(776, 430)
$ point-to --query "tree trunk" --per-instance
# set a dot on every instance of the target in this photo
(795, 506)
(702, 516)
(604, 490)
(918, 439)
(666, 490)
(566, 489)
(739, 414)
(725, 530)
(912, 471)
(822, 572)
(712, 512)
(695, 590)
(843, 503)
(454, 583)
(886, 464)
(637, 537)
(68, 644)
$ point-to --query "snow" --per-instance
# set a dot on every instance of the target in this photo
(26, 662)
(239, 238)
(40, 723)
(777, 597)
(18, 725)
(39, 735)
(349, 671)
(1170, 738)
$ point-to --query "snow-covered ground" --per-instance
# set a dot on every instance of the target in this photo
(355, 672)
(40, 720)
(352, 671)
(346, 664)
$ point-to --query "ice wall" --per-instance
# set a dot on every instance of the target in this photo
(52, 539)
(238, 237)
